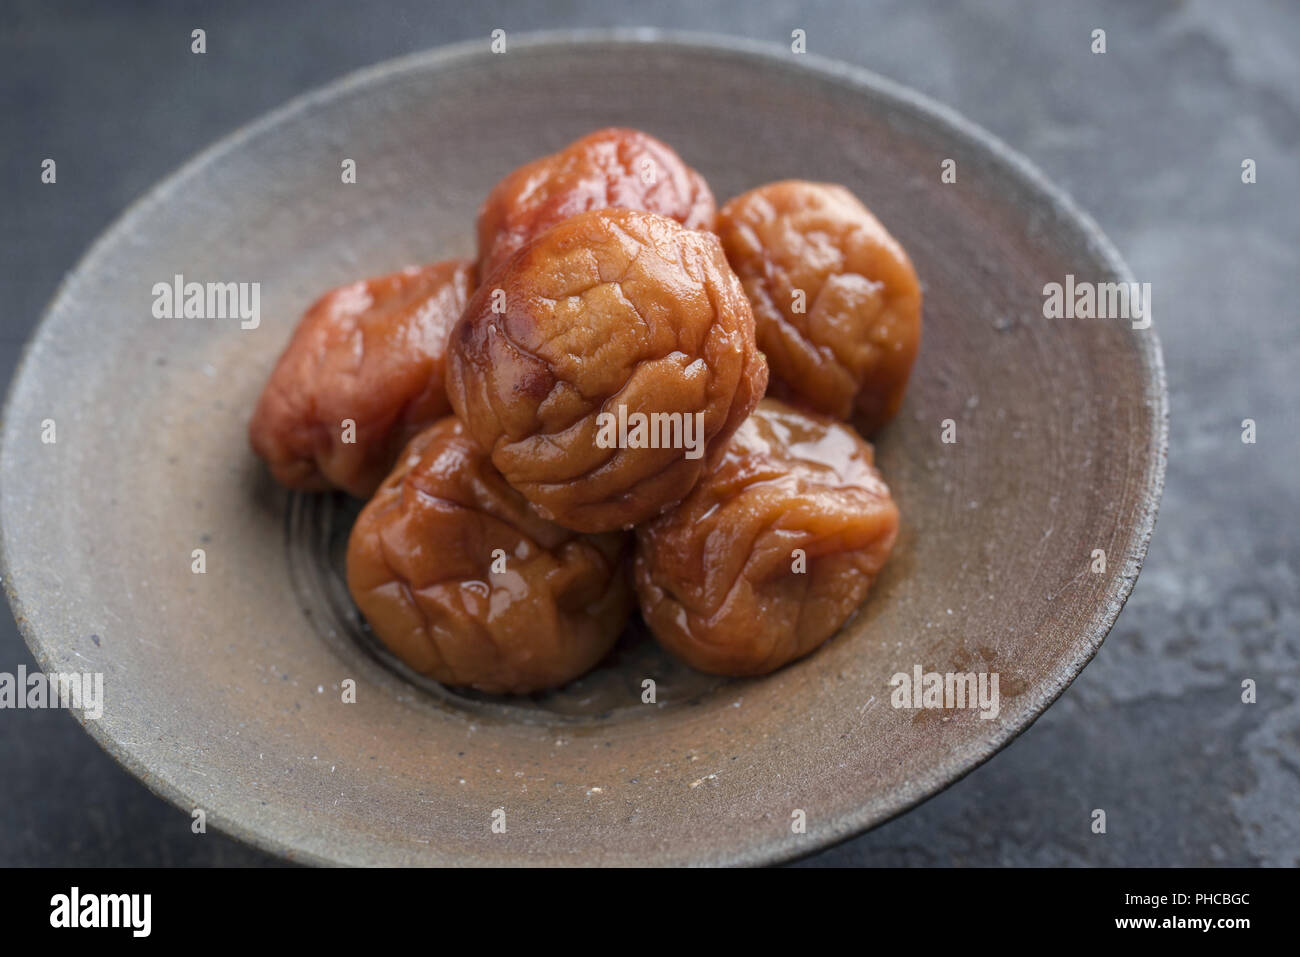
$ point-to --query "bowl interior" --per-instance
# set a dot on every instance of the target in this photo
(224, 690)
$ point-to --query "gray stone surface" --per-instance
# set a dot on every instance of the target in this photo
(1149, 137)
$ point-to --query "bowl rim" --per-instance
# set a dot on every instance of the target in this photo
(948, 121)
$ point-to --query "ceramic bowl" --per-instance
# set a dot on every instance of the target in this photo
(224, 690)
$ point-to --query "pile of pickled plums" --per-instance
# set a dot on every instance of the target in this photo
(511, 528)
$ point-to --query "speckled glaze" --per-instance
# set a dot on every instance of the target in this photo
(224, 690)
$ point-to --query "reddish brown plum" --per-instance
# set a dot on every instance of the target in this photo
(612, 167)
(837, 305)
(460, 579)
(773, 551)
(371, 353)
(612, 313)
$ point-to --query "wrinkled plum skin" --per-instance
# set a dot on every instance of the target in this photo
(612, 307)
(420, 566)
(607, 168)
(850, 352)
(716, 576)
(373, 352)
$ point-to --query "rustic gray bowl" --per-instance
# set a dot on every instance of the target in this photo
(224, 690)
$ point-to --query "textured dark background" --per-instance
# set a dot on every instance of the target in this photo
(1148, 138)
